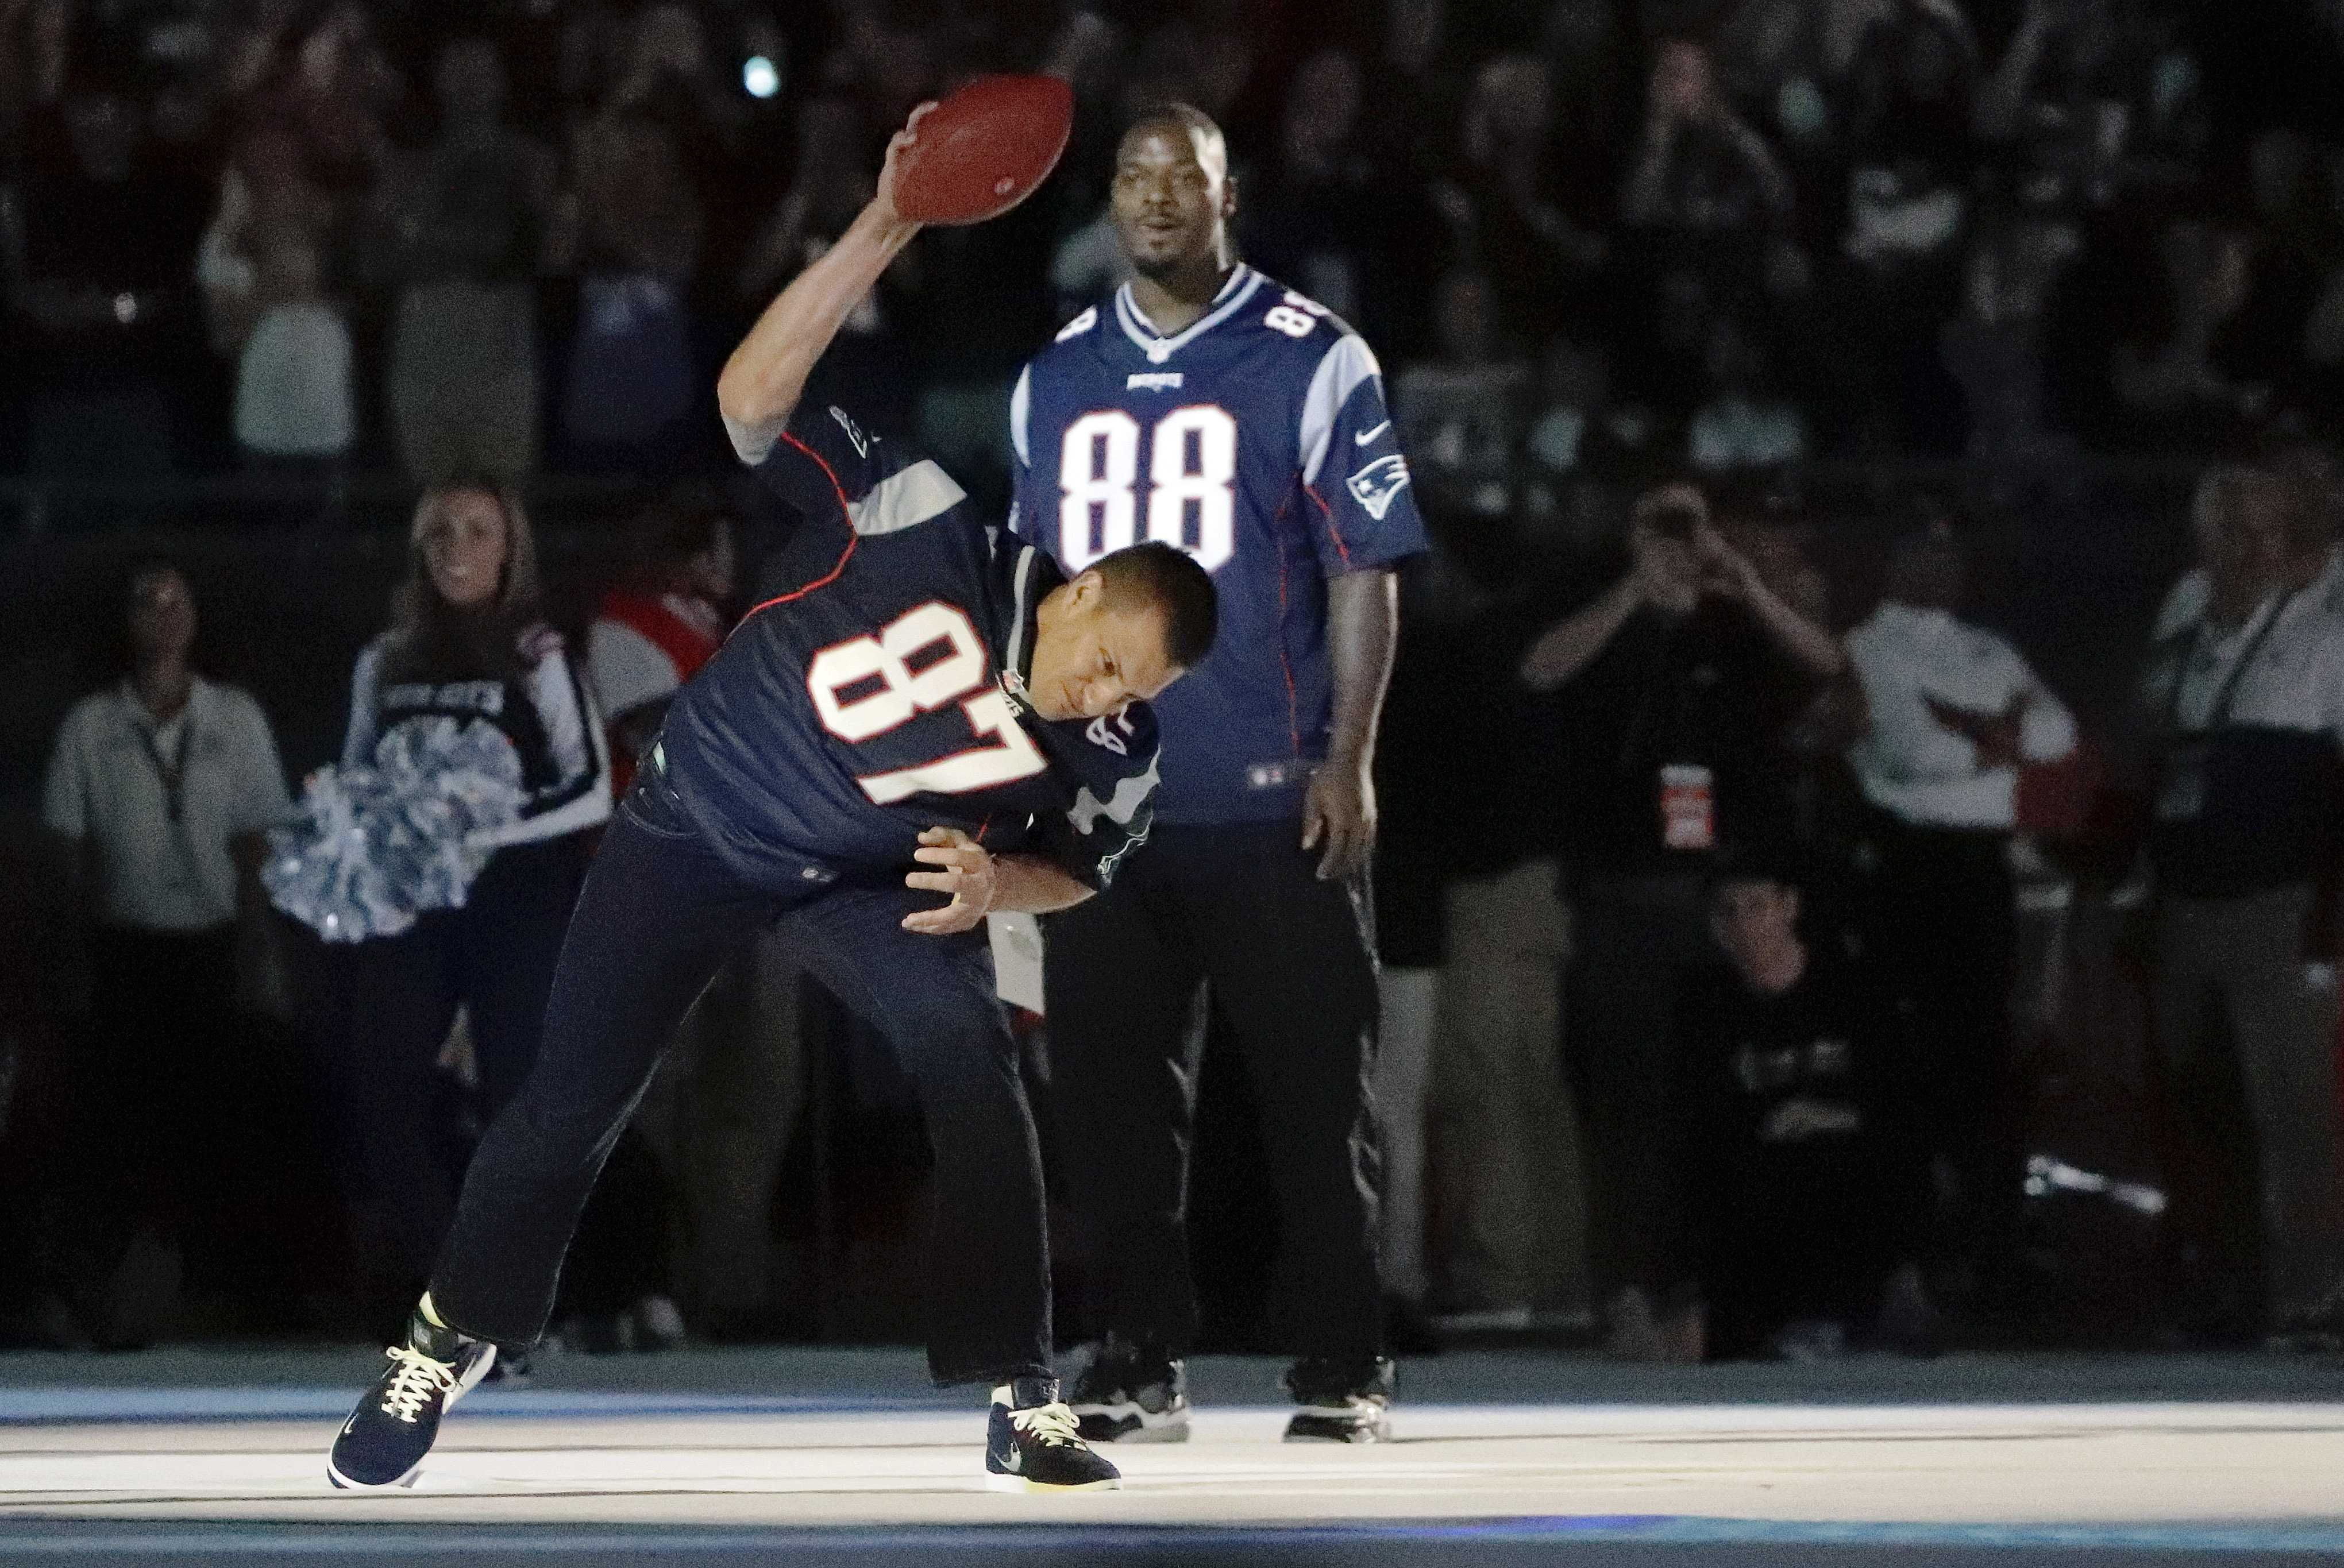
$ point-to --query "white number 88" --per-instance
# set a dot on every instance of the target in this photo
(1098, 471)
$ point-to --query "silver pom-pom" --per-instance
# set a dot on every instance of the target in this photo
(379, 846)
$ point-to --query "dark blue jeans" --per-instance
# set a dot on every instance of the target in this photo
(660, 915)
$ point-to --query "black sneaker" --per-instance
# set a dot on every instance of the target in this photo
(383, 1443)
(1342, 1401)
(1132, 1393)
(1033, 1445)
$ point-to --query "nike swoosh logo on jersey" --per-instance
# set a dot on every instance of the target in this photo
(1365, 437)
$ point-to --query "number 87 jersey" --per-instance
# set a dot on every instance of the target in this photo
(1257, 440)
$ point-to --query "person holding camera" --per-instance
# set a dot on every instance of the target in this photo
(1676, 685)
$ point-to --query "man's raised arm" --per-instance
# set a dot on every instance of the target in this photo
(761, 384)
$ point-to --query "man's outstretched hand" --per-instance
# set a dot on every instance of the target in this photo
(965, 870)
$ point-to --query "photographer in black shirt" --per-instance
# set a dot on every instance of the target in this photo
(1675, 691)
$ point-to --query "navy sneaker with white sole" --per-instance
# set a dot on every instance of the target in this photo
(1341, 1401)
(382, 1446)
(1131, 1394)
(1031, 1444)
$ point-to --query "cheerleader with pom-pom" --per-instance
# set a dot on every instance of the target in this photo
(440, 860)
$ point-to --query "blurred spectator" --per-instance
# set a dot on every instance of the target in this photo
(33, 54)
(266, 199)
(633, 381)
(160, 788)
(2245, 699)
(1810, 1190)
(2172, 384)
(1700, 168)
(655, 630)
(2299, 239)
(467, 219)
(1911, 158)
(1511, 215)
(320, 78)
(1514, 1223)
(1317, 214)
(1995, 348)
(467, 645)
(2057, 92)
(1483, 1217)
(1746, 423)
(1955, 714)
(1678, 682)
(294, 399)
(1460, 417)
(96, 257)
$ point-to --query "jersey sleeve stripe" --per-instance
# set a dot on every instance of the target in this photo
(1021, 403)
(1326, 514)
(904, 498)
(1346, 365)
(1285, 660)
(847, 510)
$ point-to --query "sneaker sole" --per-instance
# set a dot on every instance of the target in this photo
(996, 1481)
(406, 1483)
(1379, 1433)
(344, 1484)
(1107, 1429)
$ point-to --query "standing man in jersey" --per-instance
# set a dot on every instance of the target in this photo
(935, 698)
(1206, 406)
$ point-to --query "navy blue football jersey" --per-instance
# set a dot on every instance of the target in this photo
(885, 694)
(1257, 440)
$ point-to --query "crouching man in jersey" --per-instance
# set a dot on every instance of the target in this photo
(936, 700)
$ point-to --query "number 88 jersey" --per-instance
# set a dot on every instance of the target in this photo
(1258, 439)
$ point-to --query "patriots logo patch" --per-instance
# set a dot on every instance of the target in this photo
(1079, 324)
(1376, 484)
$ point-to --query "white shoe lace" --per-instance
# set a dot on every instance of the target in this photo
(418, 1378)
(1050, 1423)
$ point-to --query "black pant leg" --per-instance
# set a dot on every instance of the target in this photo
(395, 1000)
(1120, 986)
(1951, 938)
(1630, 942)
(504, 946)
(1289, 962)
(933, 999)
(151, 1086)
(658, 917)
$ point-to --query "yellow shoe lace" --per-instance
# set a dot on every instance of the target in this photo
(1050, 1423)
(418, 1378)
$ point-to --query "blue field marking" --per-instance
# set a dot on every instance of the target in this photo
(247, 1538)
(49, 1406)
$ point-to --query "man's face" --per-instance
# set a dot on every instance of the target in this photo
(1094, 656)
(1755, 922)
(162, 617)
(2250, 537)
(1929, 573)
(1172, 197)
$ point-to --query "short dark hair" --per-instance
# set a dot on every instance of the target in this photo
(1169, 578)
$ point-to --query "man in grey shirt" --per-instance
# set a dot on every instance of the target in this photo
(160, 787)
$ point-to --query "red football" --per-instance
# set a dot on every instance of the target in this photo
(983, 150)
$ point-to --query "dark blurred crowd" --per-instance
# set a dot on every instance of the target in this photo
(1724, 233)
(1734, 873)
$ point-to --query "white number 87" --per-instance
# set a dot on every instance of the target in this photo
(1192, 461)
